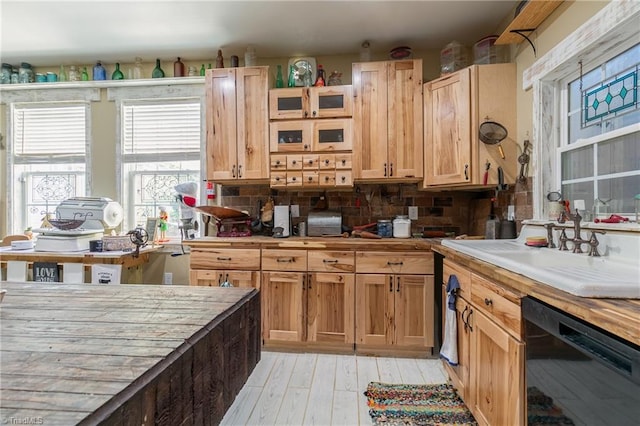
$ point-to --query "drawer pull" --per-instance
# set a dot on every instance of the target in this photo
(289, 260)
(488, 301)
(239, 170)
(391, 284)
(398, 284)
(329, 261)
(223, 258)
(394, 263)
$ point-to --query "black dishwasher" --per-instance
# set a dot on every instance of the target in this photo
(577, 373)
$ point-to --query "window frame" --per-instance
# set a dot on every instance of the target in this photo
(42, 99)
(608, 33)
(122, 96)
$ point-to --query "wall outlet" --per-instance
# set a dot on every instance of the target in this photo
(413, 212)
(168, 278)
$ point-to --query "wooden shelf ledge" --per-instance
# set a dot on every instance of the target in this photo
(529, 18)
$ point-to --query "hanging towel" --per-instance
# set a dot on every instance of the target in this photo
(449, 350)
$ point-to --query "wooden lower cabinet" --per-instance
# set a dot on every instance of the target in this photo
(284, 305)
(312, 308)
(497, 379)
(394, 311)
(491, 365)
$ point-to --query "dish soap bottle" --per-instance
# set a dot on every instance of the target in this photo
(157, 71)
(117, 74)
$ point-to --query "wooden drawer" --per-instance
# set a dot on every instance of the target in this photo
(331, 261)
(278, 162)
(294, 162)
(327, 178)
(463, 275)
(343, 161)
(344, 178)
(211, 258)
(394, 262)
(310, 161)
(500, 305)
(294, 178)
(278, 179)
(284, 260)
(310, 178)
(327, 162)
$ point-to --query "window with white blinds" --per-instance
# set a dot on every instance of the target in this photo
(160, 129)
(160, 147)
(48, 157)
(49, 131)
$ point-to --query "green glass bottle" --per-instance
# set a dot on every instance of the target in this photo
(157, 71)
(85, 74)
(62, 76)
(292, 77)
(117, 74)
(202, 70)
(279, 79)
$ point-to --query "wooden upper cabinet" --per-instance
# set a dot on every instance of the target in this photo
(310, 102)
(447, 123)
(387, 114)
(455, 106)
(237, 124)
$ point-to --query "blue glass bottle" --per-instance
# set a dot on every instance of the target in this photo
(99, 72)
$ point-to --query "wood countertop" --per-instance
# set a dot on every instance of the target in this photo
(119, 353)
(319, 243)
(618, 316)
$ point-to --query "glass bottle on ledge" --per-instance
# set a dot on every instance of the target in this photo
(219, 60)
(279, 79)
(157, 71)
(117, 74)
(292, 77)
(137, 69)
(320, 81)
(203, 71)
(99, 72)
(85, 74)
(178, 68)
(73, 73)
(62, 75)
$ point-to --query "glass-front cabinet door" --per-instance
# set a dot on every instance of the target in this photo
(330, 101)
(288, 103)
(332, 135)
(291, 136)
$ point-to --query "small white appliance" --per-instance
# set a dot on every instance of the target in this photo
(282, 219)
(98, 214)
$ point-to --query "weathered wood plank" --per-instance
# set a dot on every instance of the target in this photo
(125, 354)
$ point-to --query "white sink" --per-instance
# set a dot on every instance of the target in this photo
(574, 273)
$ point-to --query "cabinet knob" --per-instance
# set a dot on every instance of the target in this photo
(344, 162)
(293, 178)
(344, 178)
(294, 162)
(310, 162)
(306, 148)
(488, 301)
(326, 178)
(310, 178)
(277, 179)
(315, 113)
(326, 162)
(277, 162)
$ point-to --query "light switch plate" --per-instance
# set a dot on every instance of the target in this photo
(413, 212)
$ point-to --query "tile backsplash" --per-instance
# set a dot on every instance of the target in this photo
(462, 212)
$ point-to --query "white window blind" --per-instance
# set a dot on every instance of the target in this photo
(51, 131)
(155, 129)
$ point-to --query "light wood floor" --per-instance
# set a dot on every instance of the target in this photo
(321, 389)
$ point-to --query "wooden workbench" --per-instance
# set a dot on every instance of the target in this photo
(121, 354)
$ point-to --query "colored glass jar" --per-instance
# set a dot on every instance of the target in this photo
(5, 75)
(99, 72)
(385, 228)
(25, 73)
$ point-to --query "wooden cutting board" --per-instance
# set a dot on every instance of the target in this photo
(220, 213)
